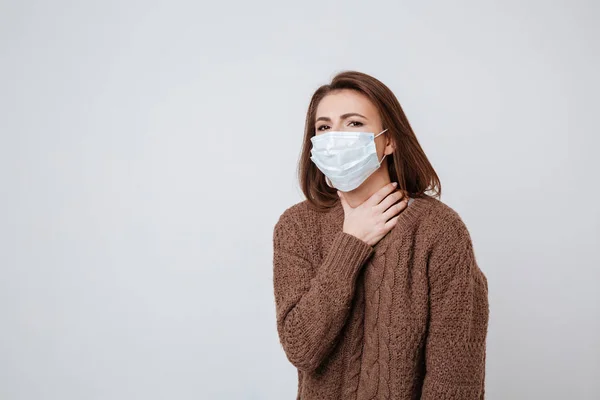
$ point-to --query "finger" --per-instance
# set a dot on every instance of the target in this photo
(345, 204)
(395, 209)
(391, 223)
(379, 195)
(389, 200)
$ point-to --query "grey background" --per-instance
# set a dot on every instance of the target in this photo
(147, 149)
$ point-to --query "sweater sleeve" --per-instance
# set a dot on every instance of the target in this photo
(455, 348)
(312, 301)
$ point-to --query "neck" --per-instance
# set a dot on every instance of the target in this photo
(373, 183)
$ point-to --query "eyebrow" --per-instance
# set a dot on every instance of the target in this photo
(344, 116)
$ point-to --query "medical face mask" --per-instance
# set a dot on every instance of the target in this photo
(347, 159)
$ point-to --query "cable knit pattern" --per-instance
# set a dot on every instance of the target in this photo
(386, 290)
(355, 344)
(404, 319)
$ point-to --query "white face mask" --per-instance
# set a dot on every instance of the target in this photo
(347, 159)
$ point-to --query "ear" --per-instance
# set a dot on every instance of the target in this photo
(390, 147)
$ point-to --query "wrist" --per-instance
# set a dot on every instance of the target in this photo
(356, 235)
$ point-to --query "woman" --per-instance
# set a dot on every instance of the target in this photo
(378, 294)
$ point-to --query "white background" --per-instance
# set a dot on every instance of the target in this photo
(147, 149)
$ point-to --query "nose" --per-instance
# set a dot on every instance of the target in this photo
(337, 125)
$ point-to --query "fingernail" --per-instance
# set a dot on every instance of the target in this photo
(394, 184)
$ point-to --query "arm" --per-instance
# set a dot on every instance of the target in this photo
(313, 302)
(455, 348)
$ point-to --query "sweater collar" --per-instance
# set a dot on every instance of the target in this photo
(408, 216)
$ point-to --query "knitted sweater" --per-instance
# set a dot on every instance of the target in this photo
(406, 318)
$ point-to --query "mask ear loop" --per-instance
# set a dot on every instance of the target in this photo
(380, 133)
(380, 161)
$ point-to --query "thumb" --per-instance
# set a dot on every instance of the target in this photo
(345, 204)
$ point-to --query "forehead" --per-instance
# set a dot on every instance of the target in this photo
(344, 101)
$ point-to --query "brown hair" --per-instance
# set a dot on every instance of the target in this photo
(408, 164)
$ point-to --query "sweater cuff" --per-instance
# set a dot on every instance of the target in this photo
(346, 255)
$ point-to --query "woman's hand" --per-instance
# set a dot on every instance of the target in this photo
(376, 216)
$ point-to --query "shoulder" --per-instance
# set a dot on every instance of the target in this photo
(294, 220)
(295, 228)
(450, 249)
(444, 223)
(293, 214)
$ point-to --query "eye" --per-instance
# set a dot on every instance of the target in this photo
(356, 123)
(321, 128)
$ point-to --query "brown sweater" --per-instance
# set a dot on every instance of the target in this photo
(404, 319)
